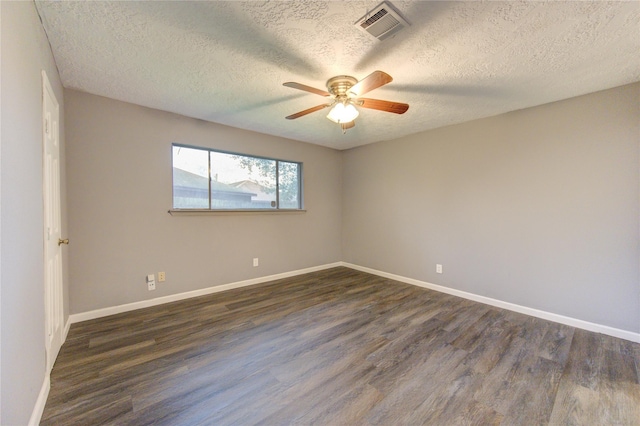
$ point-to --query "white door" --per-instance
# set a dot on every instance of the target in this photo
(52, 231)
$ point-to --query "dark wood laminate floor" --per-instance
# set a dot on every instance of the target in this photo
(339, 347)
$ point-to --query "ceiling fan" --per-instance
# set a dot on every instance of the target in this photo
(345, 92)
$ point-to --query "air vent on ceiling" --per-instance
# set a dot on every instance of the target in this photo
(382, 22)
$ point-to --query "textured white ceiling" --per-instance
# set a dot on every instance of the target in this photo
(225, 61)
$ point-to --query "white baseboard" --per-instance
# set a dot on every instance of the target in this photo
(573, 322)
(38, 409)
(99, 313)
(65, 333)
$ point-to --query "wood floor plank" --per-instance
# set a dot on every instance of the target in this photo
(422, 391)
(339, 347)
(556, 343)
(532, 400)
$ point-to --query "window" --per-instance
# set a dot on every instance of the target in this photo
(216, 180)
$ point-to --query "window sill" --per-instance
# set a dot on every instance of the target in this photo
(204, 212)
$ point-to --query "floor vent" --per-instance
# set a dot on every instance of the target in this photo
(382, 22)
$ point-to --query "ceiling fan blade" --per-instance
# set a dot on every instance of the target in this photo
(299, 86)
(370, 82)
(388, 106)
(348, 125)
(307, 111)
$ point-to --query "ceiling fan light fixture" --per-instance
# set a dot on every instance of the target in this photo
(342, 113)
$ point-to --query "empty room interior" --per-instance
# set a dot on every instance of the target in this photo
(320, 212)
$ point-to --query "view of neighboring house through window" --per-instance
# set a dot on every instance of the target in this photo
(215, 180)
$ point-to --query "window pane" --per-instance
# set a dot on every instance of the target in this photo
(190, 178)
(289, 185)
(207, 179)
(241, 182)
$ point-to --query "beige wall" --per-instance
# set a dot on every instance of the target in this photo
(119, 172)
(25, 53)
(538, 207)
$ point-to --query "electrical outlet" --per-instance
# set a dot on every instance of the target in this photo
(438, 268)
(161, 277)
(256, 262)
(151, 282)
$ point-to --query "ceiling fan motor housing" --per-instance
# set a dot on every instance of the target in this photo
(340, 85)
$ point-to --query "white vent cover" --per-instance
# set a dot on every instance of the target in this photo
(382, 22)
